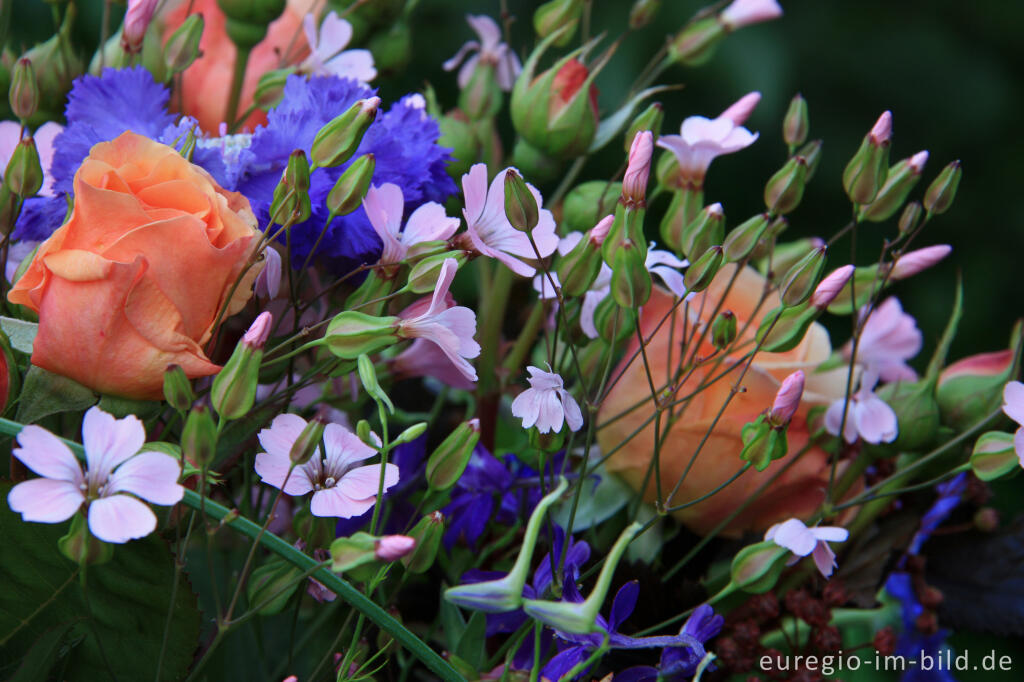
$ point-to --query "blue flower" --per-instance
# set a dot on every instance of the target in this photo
(679, 663)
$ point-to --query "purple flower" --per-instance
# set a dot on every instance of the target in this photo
(679, 663)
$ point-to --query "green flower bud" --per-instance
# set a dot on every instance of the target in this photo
(642, 12)
(650, 118)
(588, 202)
(756, 568)
(631, 281)
(681, 213)
(994, 456)
(357, 550)
(411, 433)
(423, 275)
(348, 192)
(308, 441)
(446, 464)
(182, 48)
(613, 322)
(234, 388)
(799, 283)
(560, 16)
(785, 189)
(427, 533)
(24, 92)
(271, 586)
(763, 443)
(481, 99)
(520, 204)
(795, 124)
(971, 388)
(705, 231)
(744, 237)
(82, 547)
(940, 194)
(627, 228)
(335, 143)
(698, 40)
(785, 333)
(578, 269)
(811, 152)
(901, 179)
(351, 334)
(700, 274)
(291, 196)
(365, 434)
(177, 389)
(867, 170)
(367, 299)
(199, 437)
(247, 20)
(723, 330)
(24, 174)
(368, 377)
(270, 88)
(911, 217)
(864, 284)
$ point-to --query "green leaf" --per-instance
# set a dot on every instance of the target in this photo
(21, 333)
(617, 122)
(471, 645)
(122, 407)
(45, 393)
(40, 659)
(116, 621)
(452, 624)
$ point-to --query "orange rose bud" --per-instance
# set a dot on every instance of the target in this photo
(135, 279)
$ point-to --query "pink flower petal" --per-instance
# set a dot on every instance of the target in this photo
(830, 533)
(824, 558)
(153, 476)
(1013, 402)
(109, 441)
(333, 502)
(45, 500)
(876, 422)
(794, 536)
(120, 518)
(282, 434)
(273, 470)
(361, 483)
(47, 455)
(344, 447)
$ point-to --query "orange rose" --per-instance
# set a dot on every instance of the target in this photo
(133, 281)
(206, 84)
(798, 491)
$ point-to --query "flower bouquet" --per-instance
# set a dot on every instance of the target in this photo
(307, 377)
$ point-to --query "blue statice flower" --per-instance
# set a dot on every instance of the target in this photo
(402, 140)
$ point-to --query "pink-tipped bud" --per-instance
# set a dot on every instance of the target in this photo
(787, 399)
(259, 331)
(917, 162)
(831, 286)
(742, 13)
(634, 184)
(599, 232)
(909, 264)
(881, 133)
(739, 112)
(268, 282)
(392, 547)
(136, 21)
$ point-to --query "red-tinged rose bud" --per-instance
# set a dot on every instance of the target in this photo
(830, 287)
(972, 387)
(909, 264)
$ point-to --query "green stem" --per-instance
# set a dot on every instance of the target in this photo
(237, 81)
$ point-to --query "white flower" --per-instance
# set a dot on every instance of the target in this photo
(801, 541)
(385, 206)
(546, 404)
(489, 50)
(116, 475)
(326, 57)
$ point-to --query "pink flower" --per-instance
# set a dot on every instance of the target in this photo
(546, 404)
(341, 487)
(326, 57)
(394, 547)
(1013, 407)
(889, 338)
(701, 140)
(259, 331)
(787, 400)
(830, 287)
(739, 111)
(489, 50)
(868, 416)
(488, 227)
(801, 541)
(268, 282)
(136, 21)
(909, 264)
(116, 475)
(450, 328)
(634, 183)
(881, 132)
(384, 207)
(425, 358)
(10, 135)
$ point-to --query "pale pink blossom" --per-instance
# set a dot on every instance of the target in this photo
(116, 476)
(451, 328)
(1013, 407)
(385, 206)
(136, 21)
(634, 182)
(546, 404)
(888, 339)
(830, 287)
(394, 547)
(701, 140)
(425, 358)
(259, 331)
(268, 282)
(787, 399)
(342, 487)
(739, 111)
(10, 135)
(868, 416)
(489, 229)
(490, 50)
(909, 264)
(742, 13)
(795, 536)
(327, 57)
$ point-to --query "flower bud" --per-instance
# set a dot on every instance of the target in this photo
(900, 180)
(704, 231)
(368, 378)
(351, 552)
(994, 456)
(268, 282)
(830, 287)
(631, 281)
(234, 388)
(446, 464)
(697, 41)
(366, 435)
(785, 189)
(641, 14)
(627, 228)
(247, 20)
(427, 534)
(291, 196)
(634, 183)
(558, 16)
(763, 443)
(520, 204)
(681, 213)
(270, 88)
(259, 331)
(136, 21)
(613, 322)
(650, 119)
(182, 48)
(910, 218)
(800, 282)
(24, 174)
(917, 412)
(308, 441)
(24, 92)
(972, 388)
(335, 143)
(756, 568)
(82, 547)
(411, 433)
(940, 194)
(351, 334)
(578, 269)
(742, 13)
(866, 171)
(700, 273)
(795, 124)
(587, 202)
(744, 237)
(787, 399)
(350, 189)
(723, 330)
(784, 328)
(811, 152)
(177, 389)
(909, 264)
(393, 547)
(199, 437)
(481, 99)
(271, 586)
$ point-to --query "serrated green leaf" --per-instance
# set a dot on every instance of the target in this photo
(21, 333)
(45, 393)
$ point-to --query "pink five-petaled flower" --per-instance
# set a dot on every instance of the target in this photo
(384, 207)
(546, 404)
(326, 57)
(489, 229)
(701, 140)
(116, 475)
(1013, 406)
(889, 338)
(341, 486)
(489, 50)
(451, 328)
(868, 416)
(801, 541)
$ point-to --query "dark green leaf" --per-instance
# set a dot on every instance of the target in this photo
(45, 393)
